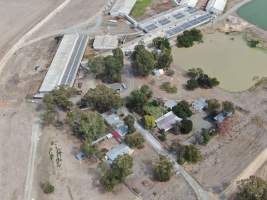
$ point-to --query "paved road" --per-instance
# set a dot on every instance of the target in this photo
(200, 193)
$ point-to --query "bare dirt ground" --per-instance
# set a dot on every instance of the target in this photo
(17, 115)
(17, 17)
(75, 13)
(262, 172)
(142, 181)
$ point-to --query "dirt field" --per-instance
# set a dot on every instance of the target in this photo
(18, 17)
(18, 116)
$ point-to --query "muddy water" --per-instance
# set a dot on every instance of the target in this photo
(226, 57)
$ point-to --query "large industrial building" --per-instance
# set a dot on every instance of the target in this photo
(65, 64)
(122, 8)
(216, 6)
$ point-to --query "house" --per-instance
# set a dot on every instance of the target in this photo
(170, 104)
(119, 150)
(199, 104)
(167, 121)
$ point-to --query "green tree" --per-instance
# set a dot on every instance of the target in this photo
(118, 54)
(47, 187)
(214, 106)
(88, 124)
(120, 169)
(188, 38)
(149, 121)
(129, 121)
(96, 65)
(182, 109)
(135, 140)
(102, 99)
(139, 98)
(164, 59)
(192, 84)
(192, 154)
(194, 72)
(143, 61)
(228, 106)
(253, 188)
(163, 169)
(161, 43)
(113, 68)
(186, 126)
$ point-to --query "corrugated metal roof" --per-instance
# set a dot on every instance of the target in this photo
(166, 121)
(119, 150)
(216, 6)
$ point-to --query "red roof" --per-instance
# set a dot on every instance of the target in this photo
(116, 134)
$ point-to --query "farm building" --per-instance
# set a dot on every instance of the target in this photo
(65, 64)
(122, 8)
(105, 42)
(167, 121)
(216, 6)
(119, 150)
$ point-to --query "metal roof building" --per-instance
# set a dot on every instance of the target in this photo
(65, 64)
(119, 150)
(167, 121)
(216, 6)
(105, 42)
(122, 7)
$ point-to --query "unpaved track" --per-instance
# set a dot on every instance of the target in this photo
(17, 45)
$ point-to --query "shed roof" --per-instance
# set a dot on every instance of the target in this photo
(119, 150)
(216, 6)
(167, 121)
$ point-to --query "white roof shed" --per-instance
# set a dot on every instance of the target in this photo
(191, 3)
(216, 6)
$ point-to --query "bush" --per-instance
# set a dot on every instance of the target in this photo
(129, 121)
(186, 126)
(188, 38)
(167, 87)
(169, 72)
(47, 187)
(162, 137)
(192, 154)
(192, 84)
(149, 121)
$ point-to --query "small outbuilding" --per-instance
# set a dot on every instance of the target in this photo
(199, 104)
(167, 121)
(170, 104)
(105, 42)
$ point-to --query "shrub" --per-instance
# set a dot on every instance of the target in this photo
(182, 109)
(135, 140)
(167, 87)
(47, 187)
(186, 126)
(163, 169)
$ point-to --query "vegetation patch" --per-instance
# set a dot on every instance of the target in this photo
(188, 38)
(167, 87)
(140, 7)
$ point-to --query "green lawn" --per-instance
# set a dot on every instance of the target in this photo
(139, 7)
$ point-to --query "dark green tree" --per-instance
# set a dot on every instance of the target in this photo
(143, 61)
(163, 169)
(102, 99)
(129, 121)
(192, 154)
(113, 68)
(186, 126)
(161, 43)
(182, 109)
(228, 106)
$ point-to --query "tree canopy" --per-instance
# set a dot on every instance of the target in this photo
(188, 38)
(138, 98)
(121, 167)
(129, 121)
(161, 43)
(186, 126)
(88, 124)
(253, 188)
(102, 99)
(182, 109)
(163, 169)
(135, 140)
(143, 61)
